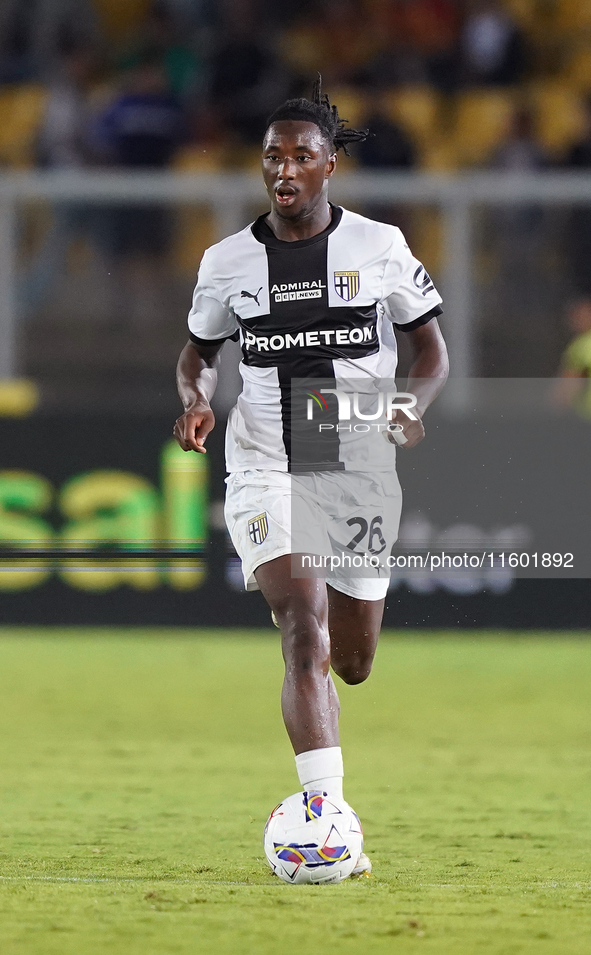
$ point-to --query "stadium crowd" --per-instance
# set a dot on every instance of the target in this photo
(444, 81)
(187, 84)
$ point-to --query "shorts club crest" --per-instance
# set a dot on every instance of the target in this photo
(258, 528)
(346, 284)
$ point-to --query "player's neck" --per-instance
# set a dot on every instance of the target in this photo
(294, 230)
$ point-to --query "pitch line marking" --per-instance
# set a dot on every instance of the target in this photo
(197, 881)
(123, 878)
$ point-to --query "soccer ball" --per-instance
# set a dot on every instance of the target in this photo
(311, 837)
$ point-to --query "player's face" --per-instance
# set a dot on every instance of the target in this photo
(297, 165)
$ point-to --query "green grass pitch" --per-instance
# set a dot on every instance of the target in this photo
(137, 770)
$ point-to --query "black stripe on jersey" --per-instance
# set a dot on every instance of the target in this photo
(308, 448)
(302, 267)
(432, 313)
(213, 341)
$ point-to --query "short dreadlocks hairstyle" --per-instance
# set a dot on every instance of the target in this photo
(323, 114)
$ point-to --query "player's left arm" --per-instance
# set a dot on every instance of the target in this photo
(426, 377)
(412, 303)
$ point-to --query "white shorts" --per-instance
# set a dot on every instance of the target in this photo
(351, 517)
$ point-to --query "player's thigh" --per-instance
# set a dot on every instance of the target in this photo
(285, 594)
(364, 521)
(300, 605)
(258, 516)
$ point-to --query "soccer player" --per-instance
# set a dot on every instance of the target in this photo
(313, 291)
(573, 387)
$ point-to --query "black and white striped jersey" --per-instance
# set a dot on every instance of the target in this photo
(322, 307)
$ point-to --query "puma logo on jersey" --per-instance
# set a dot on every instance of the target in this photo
(296, 291)
(245, 294)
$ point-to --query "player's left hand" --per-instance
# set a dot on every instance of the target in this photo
(413, 431)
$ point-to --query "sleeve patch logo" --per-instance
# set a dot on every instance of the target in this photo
(423, 281)
(258, 528)
(346, 284)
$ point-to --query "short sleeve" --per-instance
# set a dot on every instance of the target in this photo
(408, 293)
(209, 319)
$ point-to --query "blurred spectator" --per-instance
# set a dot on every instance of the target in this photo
(388, 146)
(493, 47)
(144, 125)
(574, 387)
(246, 82)
(17, 59)
(334, 36)
(579, 155)
(63, 143)
(141, 129)
(521, 150)
(516, 231)
(63, 138)
(414, 41)
(194, 14)
(441, 43)
(160, 35)
(519, 224)
(394, 64)
(432, 29)
(431, 25)
(35, 33)
(578, 242)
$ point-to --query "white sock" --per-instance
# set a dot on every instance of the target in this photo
(322, 770)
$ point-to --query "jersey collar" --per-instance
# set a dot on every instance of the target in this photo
(263, 233)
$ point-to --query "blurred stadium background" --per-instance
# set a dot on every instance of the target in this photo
(129, 142)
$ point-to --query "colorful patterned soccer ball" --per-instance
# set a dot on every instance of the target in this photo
(311, 837)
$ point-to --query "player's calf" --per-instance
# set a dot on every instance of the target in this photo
(309, 701)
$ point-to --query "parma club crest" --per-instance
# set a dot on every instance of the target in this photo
(258, 528)
(346, 284)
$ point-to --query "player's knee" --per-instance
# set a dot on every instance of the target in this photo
(308, 651)
(305, 643)
(355, 670)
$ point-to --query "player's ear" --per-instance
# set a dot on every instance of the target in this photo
(331, 165)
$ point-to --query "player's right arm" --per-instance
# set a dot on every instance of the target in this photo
(196, 377)
(211, 323)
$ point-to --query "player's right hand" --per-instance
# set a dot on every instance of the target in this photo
(192, 428)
